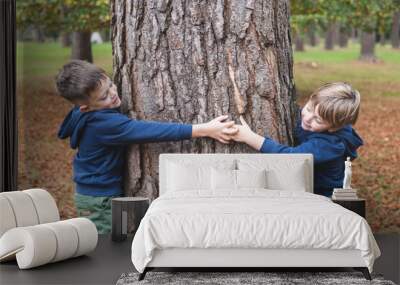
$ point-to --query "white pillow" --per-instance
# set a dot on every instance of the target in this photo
(251, 178)
(287, 174)
(182, 176)
(185, 177)
(230, 180)
(223, 179)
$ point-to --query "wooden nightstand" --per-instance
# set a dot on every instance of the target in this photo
(355, 205)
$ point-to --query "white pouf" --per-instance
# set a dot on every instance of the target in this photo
(46, 207)
(67, 240)
(33, 246)
(87, 234)
(23, 208)
(7, 220)
(40, 244)
(31, 232)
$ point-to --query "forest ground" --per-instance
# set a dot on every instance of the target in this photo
(45, 161)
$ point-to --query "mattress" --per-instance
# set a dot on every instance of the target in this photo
(251, 219)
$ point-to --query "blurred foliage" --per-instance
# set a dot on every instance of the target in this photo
(63, 15)
(367, 15)
(304, 15)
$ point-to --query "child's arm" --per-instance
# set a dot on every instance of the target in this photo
(216, 129)
(321, 148)
(246, 135)
(117, 129)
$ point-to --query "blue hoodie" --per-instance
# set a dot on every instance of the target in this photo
(101, 137)
(329, 149)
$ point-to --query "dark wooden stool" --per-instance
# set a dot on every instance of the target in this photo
(121, 208)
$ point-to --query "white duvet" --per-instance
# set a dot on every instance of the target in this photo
(253, 218)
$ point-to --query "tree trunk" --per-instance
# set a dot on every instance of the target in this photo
(368, 47)
(299, 43)
(312, 36)
(171, 64)
(330, 37)
(81, 46)
(354, 35)
(395, 35)
(382, 39)
(343, 37)
(65, 39)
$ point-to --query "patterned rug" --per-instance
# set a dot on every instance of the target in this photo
(273, 278)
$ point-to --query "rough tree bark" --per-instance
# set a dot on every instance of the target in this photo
(81, 46)
(395, 34)
(171, 64)
(368, 47)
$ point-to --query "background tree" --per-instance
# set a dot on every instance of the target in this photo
(331, 11)
(344, 33)
(65, 37)
(335, 15)
(312, 34)
(79, 17)
(171, 63)
(304, 20)
(368, 16)
(395, 29)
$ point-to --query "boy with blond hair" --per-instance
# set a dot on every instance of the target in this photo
(100, 133)
(324, 130)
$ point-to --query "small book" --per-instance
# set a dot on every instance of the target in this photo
(340, 190)
(345, 199)
(335, 197)
(345, 194)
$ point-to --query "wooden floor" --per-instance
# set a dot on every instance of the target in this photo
(389, 262)
(110, 260)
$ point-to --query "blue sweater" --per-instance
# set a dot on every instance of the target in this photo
(101, 138)
(329, 150)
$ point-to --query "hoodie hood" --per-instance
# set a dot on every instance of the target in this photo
(351, 140)
(73, 126)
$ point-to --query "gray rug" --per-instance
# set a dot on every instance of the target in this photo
(229, 278)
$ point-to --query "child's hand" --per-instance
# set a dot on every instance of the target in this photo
(216, 129)
(246, 135)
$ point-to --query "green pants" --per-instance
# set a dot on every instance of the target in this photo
(96, 209)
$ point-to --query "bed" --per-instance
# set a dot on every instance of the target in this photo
(247, 210)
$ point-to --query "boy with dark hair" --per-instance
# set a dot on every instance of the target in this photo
(101, 133)
(324, 130)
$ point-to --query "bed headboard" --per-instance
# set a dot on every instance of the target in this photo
(278, 162)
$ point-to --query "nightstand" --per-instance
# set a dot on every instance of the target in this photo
(355, 205)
